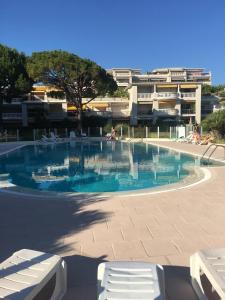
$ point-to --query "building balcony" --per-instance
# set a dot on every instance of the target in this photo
(188, 95)
(123, 113)
(178, 74)
(106, 100)
(144, 96)
(123, 84)
(145, 116)
(188, 112)
(199, 76)
(166, 112)
(11, 116)
(166, 95)
(105, 114)
(162, 95)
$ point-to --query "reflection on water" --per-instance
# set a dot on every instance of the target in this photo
(93, 167)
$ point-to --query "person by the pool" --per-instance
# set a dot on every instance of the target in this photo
(113, 134)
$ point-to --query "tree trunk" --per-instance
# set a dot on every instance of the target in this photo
(80, 120)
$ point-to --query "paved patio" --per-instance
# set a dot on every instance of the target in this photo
(162, 228)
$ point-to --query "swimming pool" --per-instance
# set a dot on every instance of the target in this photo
(94, 167)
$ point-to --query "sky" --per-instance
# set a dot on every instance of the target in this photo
(144, 34)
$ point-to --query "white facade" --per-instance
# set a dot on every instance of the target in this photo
(163, 93)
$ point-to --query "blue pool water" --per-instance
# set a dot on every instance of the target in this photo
(94, 167)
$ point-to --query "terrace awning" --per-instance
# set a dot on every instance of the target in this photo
(73, 108)
(99, 105)
(188, 86)
(167, 85)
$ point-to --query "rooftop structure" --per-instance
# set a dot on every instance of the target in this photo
(126, 76)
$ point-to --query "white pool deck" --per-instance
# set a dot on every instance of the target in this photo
(163, 228)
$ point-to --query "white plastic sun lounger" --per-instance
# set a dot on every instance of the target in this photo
(45, 139)
(208, 273)
(130, 280)
(72, 135)
(55, 137)
(29, 274)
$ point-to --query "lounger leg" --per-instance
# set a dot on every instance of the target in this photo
(195, 270)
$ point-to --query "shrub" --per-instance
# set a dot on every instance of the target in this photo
(215, 122)
(120, 93)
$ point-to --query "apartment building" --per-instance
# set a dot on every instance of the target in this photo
(168, 94)
(34, 108)
(172, 93)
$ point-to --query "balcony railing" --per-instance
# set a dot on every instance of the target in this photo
(12, 116)
(188, 111)
(106, 100)
(199, 76)
(178, 74)
(166, 111)
(145, 95)
(157, 95)
(188, 95)
(125, 113)
(167, 95)
(105, 114)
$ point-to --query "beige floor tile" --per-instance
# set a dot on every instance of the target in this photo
(162, 260)
(97, 249)
(159, 247)
(129, 250)
(190, 245)
(111, 235)
(79, 236)
(136, 234)
(215, 241)
(166, 231)
(118, 221)
(141, 221)
(179, 260)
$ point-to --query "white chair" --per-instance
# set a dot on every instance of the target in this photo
(72, 135)
(29, 274)
(207, 273)
(45, 139)
(54, 137)
(83, 134)
(130, 280)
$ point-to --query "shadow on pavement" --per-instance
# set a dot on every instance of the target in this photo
(41, 224)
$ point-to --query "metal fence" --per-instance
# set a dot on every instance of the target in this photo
(29, 134)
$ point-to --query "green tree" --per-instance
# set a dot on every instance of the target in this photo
(14, 79)
(212, 89)
(215, 122)
(206, 90)
(78, 78)
(120, 93)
